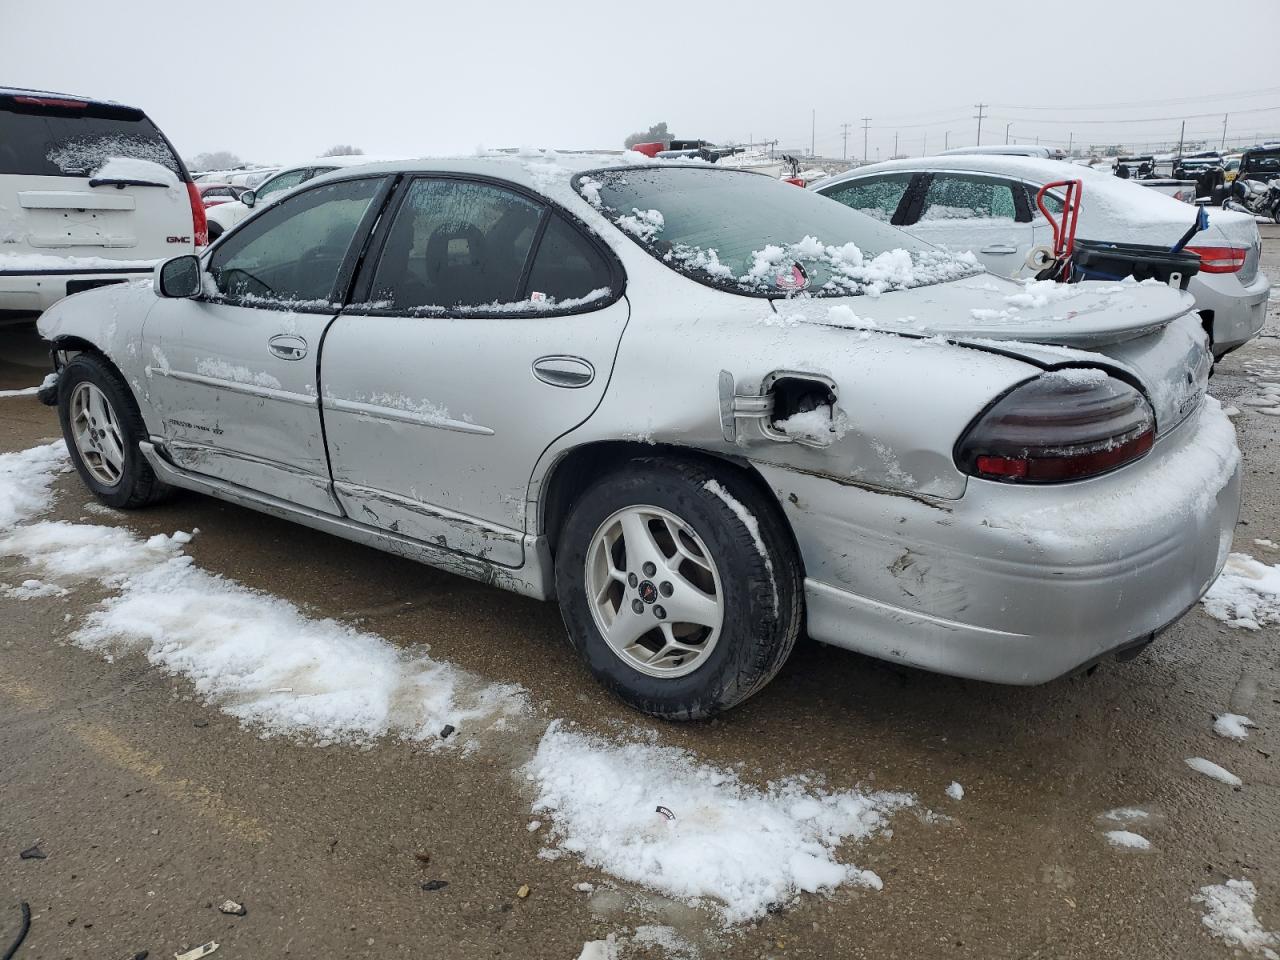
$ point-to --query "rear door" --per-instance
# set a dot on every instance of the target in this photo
(984, 214)
(90, 181)
(486, 329)
(883, 197)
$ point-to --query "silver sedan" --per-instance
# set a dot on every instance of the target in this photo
(702, 410)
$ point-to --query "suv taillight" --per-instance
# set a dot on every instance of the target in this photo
(200, 223)
(1063, 425)
(1219, 259)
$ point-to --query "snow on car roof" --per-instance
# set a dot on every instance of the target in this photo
(1109, 201)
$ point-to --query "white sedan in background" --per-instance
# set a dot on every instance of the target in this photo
(986, 204)
(227, 215)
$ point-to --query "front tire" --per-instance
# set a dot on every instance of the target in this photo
(102, 427)
(679, 586)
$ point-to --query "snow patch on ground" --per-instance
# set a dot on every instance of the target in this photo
(1127, 839)
(1213, 771)
(25, 480)
(1229, 916)
(955, 791)
(1232, 726)
(1126, 814)
(742, 847)
(1247, 594)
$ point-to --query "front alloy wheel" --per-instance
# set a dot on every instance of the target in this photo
(96, 431)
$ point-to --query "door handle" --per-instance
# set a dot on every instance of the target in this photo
(1000, 248)
(562, 371)
(287, 347)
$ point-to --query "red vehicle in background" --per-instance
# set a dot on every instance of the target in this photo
(215, 193)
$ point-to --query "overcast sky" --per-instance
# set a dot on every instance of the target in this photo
(279, 82)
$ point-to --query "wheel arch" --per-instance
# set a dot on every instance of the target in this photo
(579, 466)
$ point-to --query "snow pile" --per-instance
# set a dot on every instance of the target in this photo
(1213, 771)
(1127, 839)
(137, 170)
(31, 589)
(256, 656)
(1038, 294)
(1247, 594)
(1233, 726)
(645, 224)
(1229, 917)
(729, 842)
(25, 479)
(822, 425)
(955, 791)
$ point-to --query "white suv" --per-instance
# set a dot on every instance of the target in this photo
(91, 193)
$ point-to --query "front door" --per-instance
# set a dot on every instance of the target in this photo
(488, 328)
(233, 372)
(986, 215)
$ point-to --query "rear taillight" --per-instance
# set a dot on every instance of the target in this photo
(1219, 259)
(52, 102)
(1063, 425)
(200, 223)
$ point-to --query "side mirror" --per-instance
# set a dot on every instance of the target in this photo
(249, 197)
(179, 277)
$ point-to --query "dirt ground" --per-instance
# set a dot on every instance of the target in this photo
(152, 808)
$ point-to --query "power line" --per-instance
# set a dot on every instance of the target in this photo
(1149, 103)
(1188, 116)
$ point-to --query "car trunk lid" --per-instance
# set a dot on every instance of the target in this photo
(1144, 332)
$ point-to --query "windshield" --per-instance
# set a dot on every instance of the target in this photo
(753, 235)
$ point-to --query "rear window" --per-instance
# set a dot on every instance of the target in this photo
(750, 234)
(52, 141)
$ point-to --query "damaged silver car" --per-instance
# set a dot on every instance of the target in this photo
(703, 410)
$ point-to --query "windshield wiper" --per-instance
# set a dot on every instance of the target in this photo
(121, 182)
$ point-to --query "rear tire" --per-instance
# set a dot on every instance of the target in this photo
(102, 427)
(658, 534)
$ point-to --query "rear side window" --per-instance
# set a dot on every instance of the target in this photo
(954, 197)
(875, 196)
(567, 267)
(70, 141)
(456, 245)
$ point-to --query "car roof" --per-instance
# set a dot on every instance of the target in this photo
(544, 171)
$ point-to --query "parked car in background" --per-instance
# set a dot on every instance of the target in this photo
(987, 205)
(91, 193)
(215, 193)
(227, 215)
(595, 383)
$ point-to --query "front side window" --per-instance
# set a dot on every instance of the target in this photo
(956, 197)
(286, 181)
(291, 252)
(456, 245)
(753, 235)
(877, 197)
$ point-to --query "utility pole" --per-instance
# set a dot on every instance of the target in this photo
(1006, 131)
(866, 124)
(924, 145)
(979, 116)
(1070, 139)
(844, 132)
(895, 144)
(1182, 136)
(1224, 132)
(946, 140)
(813, 132)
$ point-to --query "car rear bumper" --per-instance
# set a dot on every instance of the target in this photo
(35, 292)
(1019, 584)
(1239, 311)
